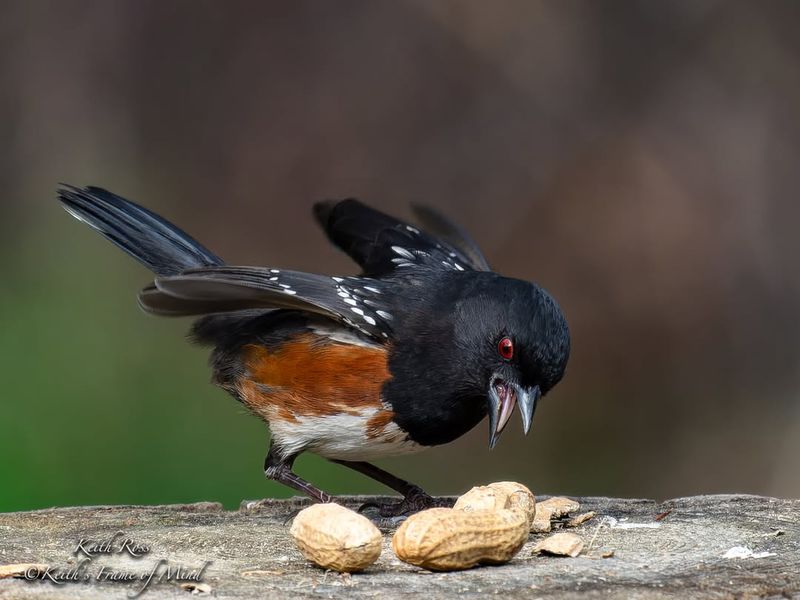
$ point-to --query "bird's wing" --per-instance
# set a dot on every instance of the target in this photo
(437, 224)
(381, 244)
(358, 302)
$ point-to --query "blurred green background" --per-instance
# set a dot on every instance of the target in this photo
(638, 159)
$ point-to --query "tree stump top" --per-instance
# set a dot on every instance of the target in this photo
(703, 546)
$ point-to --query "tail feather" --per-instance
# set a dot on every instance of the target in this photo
(156, 243)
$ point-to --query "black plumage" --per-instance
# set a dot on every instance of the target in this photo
(156, 243)
(454, 340)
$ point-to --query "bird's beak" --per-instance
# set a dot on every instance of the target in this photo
(527, 399)
(503, 398)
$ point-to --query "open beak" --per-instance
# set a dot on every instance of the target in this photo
(504, 396)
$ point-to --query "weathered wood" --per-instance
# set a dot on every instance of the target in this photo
(681, 555)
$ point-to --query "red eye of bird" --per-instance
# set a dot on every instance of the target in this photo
(506, 348)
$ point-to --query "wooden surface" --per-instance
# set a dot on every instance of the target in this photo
(688, 553)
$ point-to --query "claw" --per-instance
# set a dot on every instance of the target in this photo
(367, 505)
(409, 505)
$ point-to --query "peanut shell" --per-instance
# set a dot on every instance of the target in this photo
(552, 508)
(499, 495)
(560, 544)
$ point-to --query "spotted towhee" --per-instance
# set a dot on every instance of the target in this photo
(412, 353)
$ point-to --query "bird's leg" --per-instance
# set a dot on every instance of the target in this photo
(414, 497)
(279, 468)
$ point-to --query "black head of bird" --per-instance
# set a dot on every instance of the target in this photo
(474, 344)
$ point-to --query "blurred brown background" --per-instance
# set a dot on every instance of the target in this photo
(638, 159)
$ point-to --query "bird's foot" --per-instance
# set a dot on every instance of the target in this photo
(395, 512)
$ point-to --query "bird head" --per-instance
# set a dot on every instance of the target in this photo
(515, 343)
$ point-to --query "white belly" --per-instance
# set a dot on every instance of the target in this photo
(343, 436)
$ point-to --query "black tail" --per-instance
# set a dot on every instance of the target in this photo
(153, 241)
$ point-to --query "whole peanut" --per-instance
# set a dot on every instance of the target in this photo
(447, 539)
(334, 537)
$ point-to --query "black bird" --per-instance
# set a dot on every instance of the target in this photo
(412, 353)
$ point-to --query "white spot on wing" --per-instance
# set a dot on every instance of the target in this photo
(403, 252)
(402, 262)
(346, 336)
